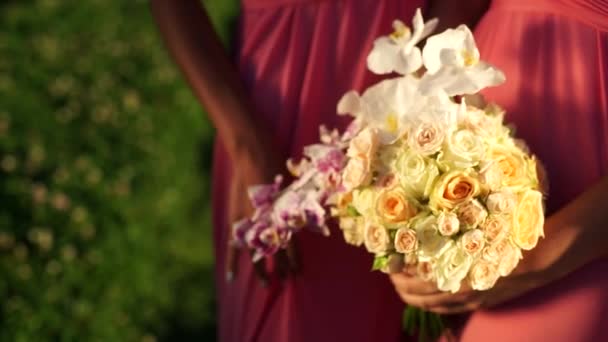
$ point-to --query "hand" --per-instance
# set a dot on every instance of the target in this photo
(239, 207)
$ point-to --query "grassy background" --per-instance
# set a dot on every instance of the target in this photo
(104, 174)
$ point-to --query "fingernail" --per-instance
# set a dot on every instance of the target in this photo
(229, 276)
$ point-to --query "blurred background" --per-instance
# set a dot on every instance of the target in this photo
(104, 176)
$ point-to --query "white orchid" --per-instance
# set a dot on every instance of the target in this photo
(398, 52)
(451, 59)
(384, 106)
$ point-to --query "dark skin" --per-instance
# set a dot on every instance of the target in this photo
(197, 50)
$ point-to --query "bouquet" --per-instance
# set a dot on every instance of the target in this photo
(427, 174)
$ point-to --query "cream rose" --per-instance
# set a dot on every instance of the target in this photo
(493, 252)
(376, 238)
(417, 173)
(472, 213)
(353, 229)
(528, 220)
(453, 188)
(495, 228)
(512, 165)
(364, 145)
(483, 275)
(356, 173)
(393, 206)
(363, 201)
(426, 138)
(509, 260)
(463, 149)
(451, 268)
(406, 240)
(430, 243)
(502, 202)
(472, 242)
(490, 175)
(448, 223)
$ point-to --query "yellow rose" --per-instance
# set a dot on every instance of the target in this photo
(483, 275)
(528, 220)
(495, 228)
(363, 200)
(393, 206)
(376, 238)
(472, 242)
(512, 165)
(406, 240)
(472, 213)
(453, 188)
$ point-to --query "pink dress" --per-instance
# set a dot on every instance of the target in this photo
(297, 58)
(555, 56)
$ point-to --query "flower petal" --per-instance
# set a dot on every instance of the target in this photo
(382, 58)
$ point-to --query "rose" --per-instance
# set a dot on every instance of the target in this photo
(463, 149)
(472, 213)
(502, 202)
(353, 229)
(364, 145)
(495, 228)
(452, 189)
(528, 220)
(406, 241)
(363, 201)
(451, 268)
(447, 223)
(417, 173)
(472, 242)
(393, 206)
(512, 165)
(424, 270)
(356, 173)
(426, 138)
(509, 260)
(431, 243)
(490, 175)
(483, 275)
(376, 238)
(483, 124)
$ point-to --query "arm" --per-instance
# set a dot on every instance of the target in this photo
(452, 13)
(197, 50)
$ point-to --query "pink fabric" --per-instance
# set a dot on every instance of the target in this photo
(555, 56)
(297, 58)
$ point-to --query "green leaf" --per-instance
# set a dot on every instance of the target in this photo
(352, 211)
(380, 262)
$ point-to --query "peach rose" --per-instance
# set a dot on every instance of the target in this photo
(406, 241)
(502, 202)
(493, 252)
(376, 238)
(510, 258)
(483, 275)
(364, 145)
(528, 220)
(448, 224)
(426, 138)
(393, 206)
(472, 213)
(495, 228)
(453, 188)
(356, 173)
(472, 242)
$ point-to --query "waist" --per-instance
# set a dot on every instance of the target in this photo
(591, 12)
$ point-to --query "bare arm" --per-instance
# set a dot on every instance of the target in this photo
(452, 13)
(197, 50)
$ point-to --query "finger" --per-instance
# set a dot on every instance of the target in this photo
(438, 300)
(456, 309)
(413, 285)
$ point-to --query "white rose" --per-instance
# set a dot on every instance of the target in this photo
(376, 238)
(483, 275)
(448, 223)
(509, 260)
(502, 202)
(472, 242)
(495, 228)
(406, 240)
(426, 138)
(451, 268)
(417, 173)
(472, 213)
(463, 150)
(430, 243)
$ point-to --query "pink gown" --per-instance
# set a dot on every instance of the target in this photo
(297, 58)
(555, 56)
